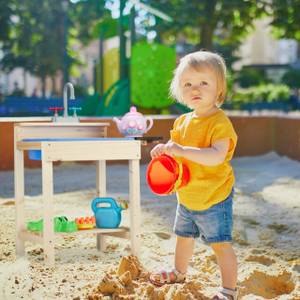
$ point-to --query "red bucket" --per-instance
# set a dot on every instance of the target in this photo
(166, 175)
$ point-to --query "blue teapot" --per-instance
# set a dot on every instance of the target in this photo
(107, 212)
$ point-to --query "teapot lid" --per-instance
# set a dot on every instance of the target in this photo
(133, 112)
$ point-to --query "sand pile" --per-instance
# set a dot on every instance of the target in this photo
(131, 281)
(266, 239)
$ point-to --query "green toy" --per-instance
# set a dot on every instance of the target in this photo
(61, 224)
(151, 70)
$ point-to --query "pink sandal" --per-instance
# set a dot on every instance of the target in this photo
(163, 277)
(226, 294)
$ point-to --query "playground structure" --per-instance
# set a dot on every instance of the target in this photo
(135, 73)
(140, 80)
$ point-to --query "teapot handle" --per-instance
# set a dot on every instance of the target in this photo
(150, 124)
(110, 201)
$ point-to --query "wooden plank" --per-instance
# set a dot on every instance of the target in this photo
(57, 124)
(135, 206)
(100, 192)
(19, 196)
(32, 237)
(100, 178)
(107, 231)
(28, 145)
(31, 132)
(122, 235)
(48, 234)
(91, 150)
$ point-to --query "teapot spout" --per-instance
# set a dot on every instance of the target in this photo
(117, 121)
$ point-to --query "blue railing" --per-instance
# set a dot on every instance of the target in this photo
(32, 106)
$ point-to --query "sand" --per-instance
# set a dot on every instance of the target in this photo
(266, 238)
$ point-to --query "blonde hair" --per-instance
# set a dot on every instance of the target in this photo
(197, 60)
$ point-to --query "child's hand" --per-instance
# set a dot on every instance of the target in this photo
(158, 150)
(172, 148)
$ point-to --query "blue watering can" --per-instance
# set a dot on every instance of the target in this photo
(108, 216)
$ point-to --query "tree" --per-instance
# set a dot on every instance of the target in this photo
(36, 40)
(209, 23)
(286, 19)
(292, 78)
(6, 13)
(85, 16)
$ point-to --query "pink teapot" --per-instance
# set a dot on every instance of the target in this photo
(133, 124)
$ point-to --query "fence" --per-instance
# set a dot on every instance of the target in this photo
(32, 106)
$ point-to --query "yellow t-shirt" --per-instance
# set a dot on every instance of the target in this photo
(208, 185)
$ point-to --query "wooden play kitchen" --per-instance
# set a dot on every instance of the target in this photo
(67, 141)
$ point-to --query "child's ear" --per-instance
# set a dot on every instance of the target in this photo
(220, 100)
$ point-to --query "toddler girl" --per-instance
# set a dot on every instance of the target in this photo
(204, 140)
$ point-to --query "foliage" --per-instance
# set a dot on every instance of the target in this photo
(17, 92)
(106, 28)
(268, 93)
(32, 31)
(85, 16)
(285, 18)
(80, 91)
(208, 23)
(250, 77)
(6, 12)
(37, 37)
(230, 79)
(292, 78)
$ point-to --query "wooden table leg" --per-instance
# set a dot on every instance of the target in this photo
(19, 201)
(101, 192)
(48, 232)
(134, 206)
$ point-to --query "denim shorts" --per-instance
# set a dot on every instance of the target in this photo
(213, 225)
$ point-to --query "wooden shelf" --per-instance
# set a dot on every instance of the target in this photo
(37, 237)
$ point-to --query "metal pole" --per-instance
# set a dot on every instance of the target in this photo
(66, 57)
(122, 42)
(101, 63)
(132, 26)
(132, 42)
(95, 75)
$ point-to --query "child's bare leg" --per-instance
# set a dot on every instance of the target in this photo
(183, 253)
(227, 262)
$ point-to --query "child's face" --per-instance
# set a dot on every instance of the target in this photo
(199, 88)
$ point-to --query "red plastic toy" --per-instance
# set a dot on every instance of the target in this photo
(166, 175)
(85, 223)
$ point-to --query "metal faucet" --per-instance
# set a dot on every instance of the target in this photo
(72, 97)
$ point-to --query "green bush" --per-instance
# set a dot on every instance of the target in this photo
(80, 91)
(268, 93)
(230, 78)
(250, 77)
(292, 78)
